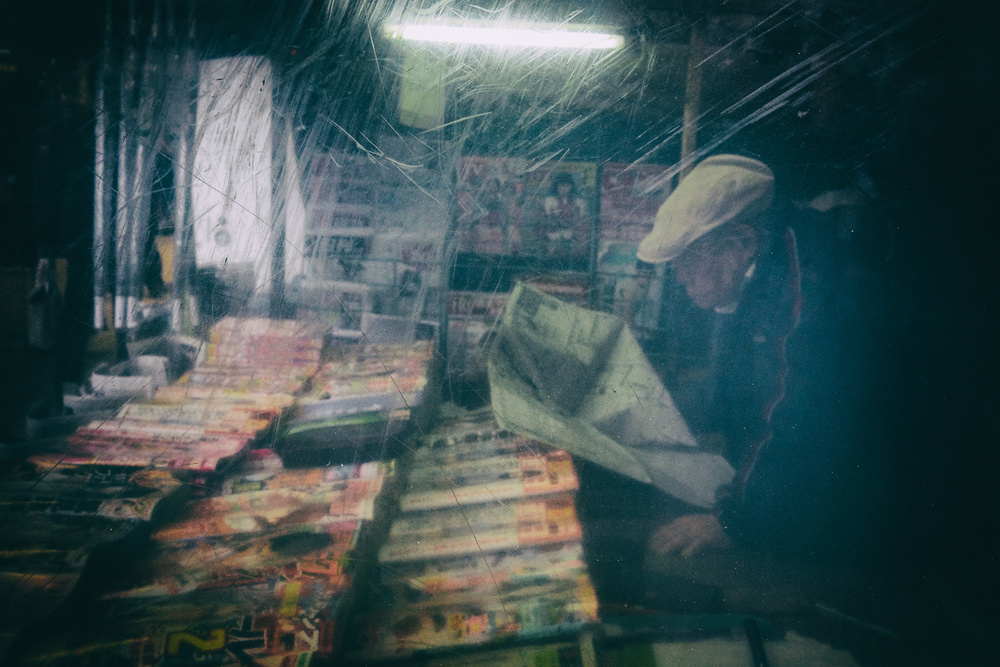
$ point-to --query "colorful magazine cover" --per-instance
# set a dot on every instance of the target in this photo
(112, 492)
(472, 442)
(279, 381)
(369, 378)
(177, 393)
(267, 511)
(309, 478)
(197, 412)
(506, 207)
(283, 500)
(204, 452)
(175, 568)
(631, 194)
(280, 623)
(145, 428)
(251, 341)
(482, 528)
(404, 629)
(484, 576)
(486, 480)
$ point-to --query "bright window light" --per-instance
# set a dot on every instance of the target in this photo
(563, 37)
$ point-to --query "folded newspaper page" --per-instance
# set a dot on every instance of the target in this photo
(578, 380)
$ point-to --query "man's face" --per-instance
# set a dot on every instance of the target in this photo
(713, 268)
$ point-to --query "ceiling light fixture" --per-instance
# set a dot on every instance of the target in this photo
(571, 37)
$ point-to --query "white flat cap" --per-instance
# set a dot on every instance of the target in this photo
(718, 190)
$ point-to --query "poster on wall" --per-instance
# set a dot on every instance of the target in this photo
(631, 194)
(507, 206)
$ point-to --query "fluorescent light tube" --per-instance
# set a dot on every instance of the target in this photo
(544, 37)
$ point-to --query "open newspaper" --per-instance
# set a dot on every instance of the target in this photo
(577, 379)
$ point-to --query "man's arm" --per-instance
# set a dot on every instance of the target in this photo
(689, 535)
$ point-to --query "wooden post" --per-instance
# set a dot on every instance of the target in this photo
(692, 95)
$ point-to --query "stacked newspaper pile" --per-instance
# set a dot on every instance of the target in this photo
(258, 574)
(487, 546)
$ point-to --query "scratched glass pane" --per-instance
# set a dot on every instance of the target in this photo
(369, 170)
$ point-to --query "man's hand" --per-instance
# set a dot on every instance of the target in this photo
(689, 535)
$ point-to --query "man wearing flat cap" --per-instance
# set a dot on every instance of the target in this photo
(778, 394)
(710, 228)
(714, 231)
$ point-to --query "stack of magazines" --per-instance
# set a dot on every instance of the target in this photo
(257, 574)
(114, 473)
(363, 393)
(252, 370)
(51, 521)
(486, 548)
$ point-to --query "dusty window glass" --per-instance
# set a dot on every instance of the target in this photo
(826, 333)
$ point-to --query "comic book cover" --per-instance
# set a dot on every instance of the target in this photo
(287, 499)
(233, 329)
(254, 342)
(469, 442)
(205, 452)
(449, 455)
(268, 510)
(249, 380)
(468, 429)
(377, 359)
(631, 194)
(279, 496)
(240, 417)
(207, 456)
(303, 361)
(489, 593)
(372, 378)
(482, 528)
(174, 568)
(484, 576)
(142, 428)
(488, 480)
(305, 478)
(177, 393)
(280, 623)
(405, 628)
(113, 492)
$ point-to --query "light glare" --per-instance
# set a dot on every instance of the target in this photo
(508, 36)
